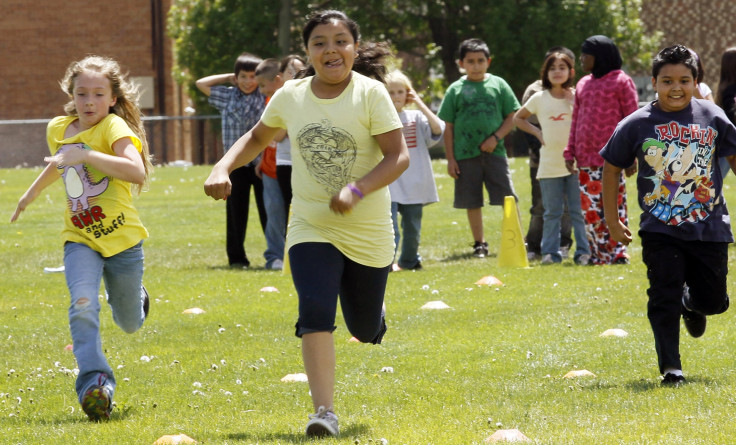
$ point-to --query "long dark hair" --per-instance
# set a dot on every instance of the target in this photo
(728, 73)
(371, 56)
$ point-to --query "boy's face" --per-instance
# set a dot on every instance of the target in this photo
(475, 65)
(674, 86)
(246, 81)
(268, 87)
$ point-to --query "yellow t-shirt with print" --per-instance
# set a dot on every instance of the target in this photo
(332, 144)
(100, 210)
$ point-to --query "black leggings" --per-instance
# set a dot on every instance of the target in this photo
(321, 273)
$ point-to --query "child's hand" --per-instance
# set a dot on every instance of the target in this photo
(490, 144)
(72, 156)
(344, 201)
(570, 165)
(412, 96)
(23, 202)
(453, 169)
(620, 232)
(218, 184)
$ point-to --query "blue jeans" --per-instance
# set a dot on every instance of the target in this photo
(554, 193)
(411, 226)
(275, 232)
(85, 269)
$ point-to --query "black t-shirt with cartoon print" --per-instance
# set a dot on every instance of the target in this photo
(679, 180)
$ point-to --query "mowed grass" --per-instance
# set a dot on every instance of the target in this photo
(494, 360)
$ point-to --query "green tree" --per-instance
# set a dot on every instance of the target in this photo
(208, 34)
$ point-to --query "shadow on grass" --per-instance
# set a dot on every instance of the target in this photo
(465, 256)
(349, 431)
(119, 414)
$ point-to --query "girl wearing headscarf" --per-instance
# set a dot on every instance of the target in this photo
(602, 99)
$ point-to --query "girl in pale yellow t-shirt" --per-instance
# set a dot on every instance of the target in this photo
(553, 108)
(100, 151)
(347, 147)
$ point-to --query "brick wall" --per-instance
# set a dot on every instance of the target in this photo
(706, 26)
(41, 37)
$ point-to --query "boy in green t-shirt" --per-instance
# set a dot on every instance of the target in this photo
(478, 110)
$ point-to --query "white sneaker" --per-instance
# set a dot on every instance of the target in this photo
(583, 260)
(547, 259)
(565, 252)
(323, 423)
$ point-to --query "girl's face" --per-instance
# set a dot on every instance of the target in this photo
(332, 51)
(587, 61)
(397, 91)
(558, 73)
(92, 98)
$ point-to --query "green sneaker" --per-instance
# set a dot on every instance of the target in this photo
(96, 403)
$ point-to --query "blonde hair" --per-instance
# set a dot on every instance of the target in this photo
(126, 106)
(397, 76)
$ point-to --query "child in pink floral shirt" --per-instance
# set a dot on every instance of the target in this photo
(602, 99)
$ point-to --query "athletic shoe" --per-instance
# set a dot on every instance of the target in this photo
(583, 260)
(323, 423)
(480, 249)
(694, 321)
(146, 301)
(96, 403)
(276, 264)
(565, 252)
(673, 380)
(547, 259)
(533, 256)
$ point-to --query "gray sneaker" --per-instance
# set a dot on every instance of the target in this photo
(323, 423)
(583, 260)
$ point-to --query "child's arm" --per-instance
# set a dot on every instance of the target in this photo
(395, 161)
(243, 151)
(497, 136)
(452, 168)
(521, 120)
(47, 177)
(618, 229)
(126, 165)
(205, 84)
(434, 122)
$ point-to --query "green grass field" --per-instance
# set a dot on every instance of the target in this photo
(494, 360)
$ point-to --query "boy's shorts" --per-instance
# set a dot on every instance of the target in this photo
(488, 169)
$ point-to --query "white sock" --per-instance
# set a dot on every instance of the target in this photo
(673, 371)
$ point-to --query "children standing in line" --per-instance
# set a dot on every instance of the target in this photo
(100, 150)
(684, 226)
(553, 108)
(347, 147)
(602, 99)
(478, 110)
(415, 187)
(290, 66)
(240, 107)
(269, 80)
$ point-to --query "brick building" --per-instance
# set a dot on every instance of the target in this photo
(38, 42)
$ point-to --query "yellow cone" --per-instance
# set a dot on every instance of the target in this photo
(513, 250)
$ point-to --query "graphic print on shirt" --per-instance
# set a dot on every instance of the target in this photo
(329, 154)
(78, 183)
(682, 159)
(410, 134)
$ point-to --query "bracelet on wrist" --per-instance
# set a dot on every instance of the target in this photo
(496, 136)
(356, 190)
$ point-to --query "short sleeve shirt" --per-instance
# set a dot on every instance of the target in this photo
(332, 144)
(99, 211)
(679, 181)
(555, 117)
(477, 109)
(240, 112)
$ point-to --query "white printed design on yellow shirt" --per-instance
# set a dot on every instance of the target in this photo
(78, 183)
(329, 154)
